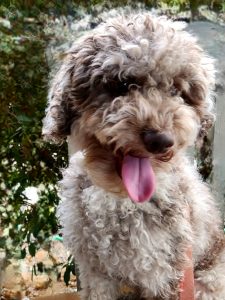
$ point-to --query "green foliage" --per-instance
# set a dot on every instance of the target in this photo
(71, 268)
(26, 159)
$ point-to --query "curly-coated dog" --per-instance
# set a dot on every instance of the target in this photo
(131, 96)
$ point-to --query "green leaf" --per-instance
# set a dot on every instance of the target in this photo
(36, 230)
(2, 242)
(23, 253)
(32, 249)
(34, 272)
(73, 270)
(40, 267)
(23, 118)
(67, 275)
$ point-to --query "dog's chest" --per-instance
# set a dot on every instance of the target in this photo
(121, 232)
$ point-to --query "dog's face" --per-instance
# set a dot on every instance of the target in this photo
(132, 95)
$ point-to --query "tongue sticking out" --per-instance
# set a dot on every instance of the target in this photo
(138, 178)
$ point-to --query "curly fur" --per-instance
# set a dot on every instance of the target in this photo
(129, 75)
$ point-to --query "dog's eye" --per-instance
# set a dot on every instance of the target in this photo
(120, 87)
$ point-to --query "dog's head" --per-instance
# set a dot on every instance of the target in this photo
(131, 95)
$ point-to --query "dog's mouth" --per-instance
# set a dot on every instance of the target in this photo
(137, 176)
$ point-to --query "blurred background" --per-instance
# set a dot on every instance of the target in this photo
(33, 38)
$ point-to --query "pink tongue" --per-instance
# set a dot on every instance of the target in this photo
(138, 178)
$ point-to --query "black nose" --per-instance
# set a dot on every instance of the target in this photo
(157, 142)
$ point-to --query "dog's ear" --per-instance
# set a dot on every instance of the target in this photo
(196, 85)
(68, 92)
(59, 116)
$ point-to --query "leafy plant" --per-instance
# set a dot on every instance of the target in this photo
(26, 159)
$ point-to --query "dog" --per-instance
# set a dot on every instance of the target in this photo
(131, 96)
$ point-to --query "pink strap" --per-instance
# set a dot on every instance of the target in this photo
(187, 283)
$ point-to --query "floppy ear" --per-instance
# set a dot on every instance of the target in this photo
(59, 116)
(196, 85)
(68, 92)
